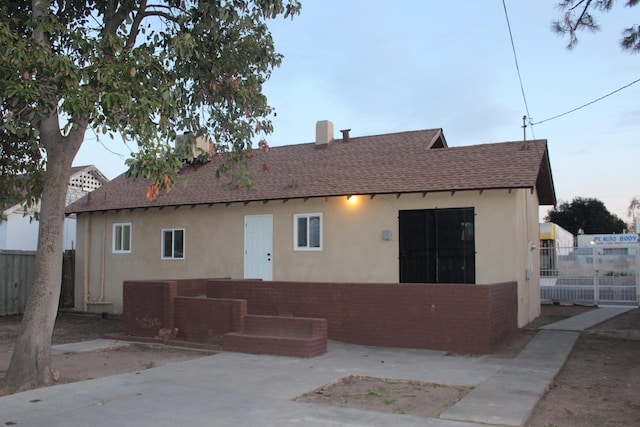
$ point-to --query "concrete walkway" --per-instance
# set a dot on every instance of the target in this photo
(587, 319)
(233, 389)
(88, 346)
(509, 396)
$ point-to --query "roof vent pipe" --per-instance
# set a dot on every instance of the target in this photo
(324, 133)
(345, 135)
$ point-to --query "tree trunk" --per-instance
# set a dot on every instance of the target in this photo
(30, 365)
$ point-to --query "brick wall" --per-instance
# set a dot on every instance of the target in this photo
(281, 346)
(504, 310)
(458, 318)
(292, 327)
(286, 336)
(151, 307)
(192, 287)
(206, 320)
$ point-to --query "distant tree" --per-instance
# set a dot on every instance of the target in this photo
(577, 16)
(634, 207)
(145, 70)
(633, 212)
(586, 215)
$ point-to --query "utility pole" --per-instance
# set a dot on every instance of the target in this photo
(525, 145)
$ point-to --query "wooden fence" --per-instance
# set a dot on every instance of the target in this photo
(16, 278)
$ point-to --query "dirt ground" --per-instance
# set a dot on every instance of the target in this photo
(387, 395)
(72, 367)
(600, 383)
(598, 386)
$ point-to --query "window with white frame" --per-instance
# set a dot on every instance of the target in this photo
(307, 234)
(122, 238)
(173, 243)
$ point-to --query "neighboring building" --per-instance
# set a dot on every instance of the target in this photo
(609, 244)
(555, 241)
(400, 207)
(552, 235)
(20, 231)
(615, 258)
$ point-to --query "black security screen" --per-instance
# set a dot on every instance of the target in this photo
(437, 246)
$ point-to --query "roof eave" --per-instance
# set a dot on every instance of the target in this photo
(544, 182)
(371, 195)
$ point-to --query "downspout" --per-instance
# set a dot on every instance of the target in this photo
(532, 246)
(104, 251)
(528, 271)
(87, 244)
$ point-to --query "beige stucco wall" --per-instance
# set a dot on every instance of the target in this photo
(353, 248)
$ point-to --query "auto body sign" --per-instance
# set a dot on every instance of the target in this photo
(614, 239)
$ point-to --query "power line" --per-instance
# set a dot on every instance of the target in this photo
(587, 104)
(105, 147)
(515, 57)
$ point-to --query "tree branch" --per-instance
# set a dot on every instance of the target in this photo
(575, 6)
(137, 21)
(113, 17)
(584, 12)
(135, 27)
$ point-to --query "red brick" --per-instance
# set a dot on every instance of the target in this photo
(452, 317)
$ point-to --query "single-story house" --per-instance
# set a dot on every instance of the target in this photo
(402, 207)
(20, 231)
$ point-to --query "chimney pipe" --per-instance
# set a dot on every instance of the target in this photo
(345, 135)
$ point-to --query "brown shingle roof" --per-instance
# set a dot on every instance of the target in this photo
(382, 164)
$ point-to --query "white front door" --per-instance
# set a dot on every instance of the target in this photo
(258, 251)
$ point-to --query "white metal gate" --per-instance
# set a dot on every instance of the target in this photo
(596, 275)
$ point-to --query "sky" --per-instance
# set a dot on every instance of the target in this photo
(385, 66)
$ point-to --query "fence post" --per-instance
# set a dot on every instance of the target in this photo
(637, 268)
(596, 277)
